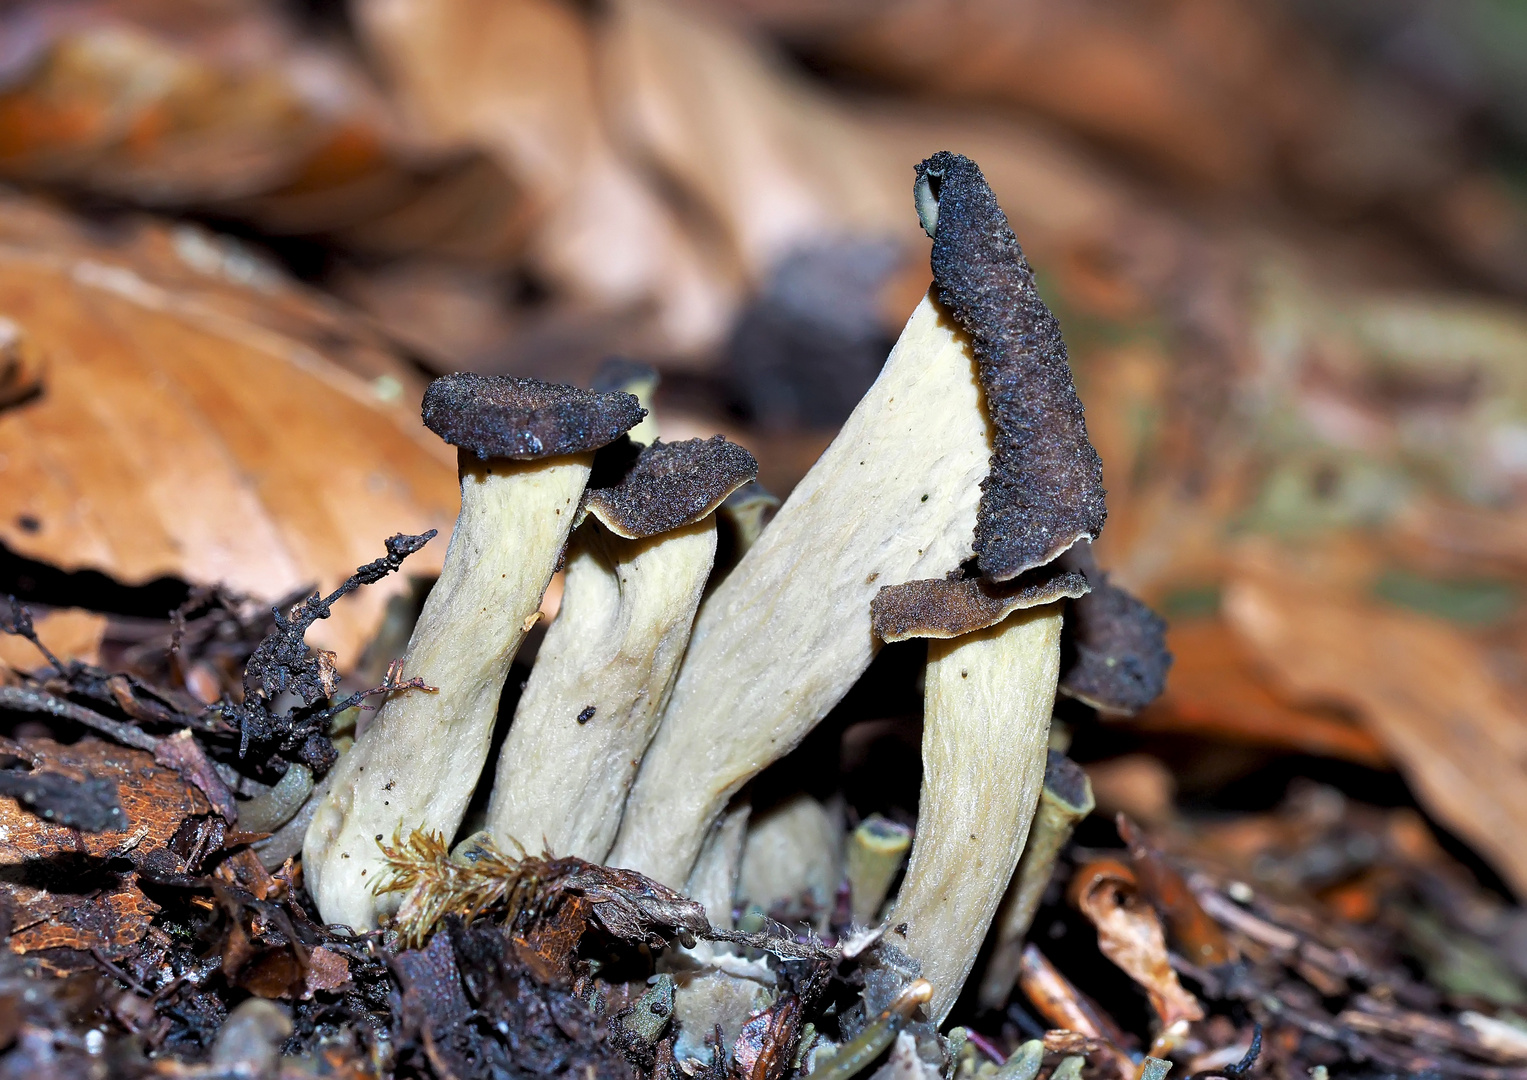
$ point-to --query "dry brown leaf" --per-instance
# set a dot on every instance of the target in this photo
(204, 419)
(1216, 691)
(327, 970)
(778, 163)
(155, 802)
(71, 633)
(1130, 934)
(1422, 687)
(519, 80)
(228, 106)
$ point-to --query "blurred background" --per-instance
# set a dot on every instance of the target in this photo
(1286, 240)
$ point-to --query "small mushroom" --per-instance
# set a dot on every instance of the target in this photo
(526, 448)
(876, 850)
(975, 410)
(1119, 659)
(635, 575)
(1064, 802)
(989, 690)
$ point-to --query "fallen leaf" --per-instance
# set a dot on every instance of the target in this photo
(1216, 691)
(327, 970)
(196, 427)
(520, 80)
(1422, 686)
(231, 108)
(156, 802)
(1130, 935)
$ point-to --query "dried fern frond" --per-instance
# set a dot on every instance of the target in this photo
(436, 885)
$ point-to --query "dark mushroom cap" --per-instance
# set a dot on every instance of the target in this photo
(1119, 658)
(670, 485)
(1065, 781)
(1044, 490)
(525, 419)
(951, 607)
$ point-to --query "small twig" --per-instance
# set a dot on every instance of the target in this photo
(128, 980)
(390, 685)
(19, 622)
(1242, 1067)
(29, 699)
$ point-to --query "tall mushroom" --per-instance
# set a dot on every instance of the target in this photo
(989, 689)
(974, 410)
(634, 578)
(526, 448)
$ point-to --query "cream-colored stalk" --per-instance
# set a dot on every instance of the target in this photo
(415, 766)
(600, 680)
(986, 721)
(1064, 802)
(780, 641)
(793, 860)
(876, 850)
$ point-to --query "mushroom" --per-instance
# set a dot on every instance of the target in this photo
(781, 639)
(526, 448)
(1064, 802)
(792, 861)
(1119, 658)
(989, 690)
(894, 498)
(876, 850)
(635, 574)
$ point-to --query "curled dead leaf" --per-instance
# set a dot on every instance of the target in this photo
(1130, 935)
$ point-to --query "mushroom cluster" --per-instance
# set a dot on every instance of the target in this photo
(955, 505)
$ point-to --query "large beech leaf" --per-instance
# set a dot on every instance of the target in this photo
(201, 417)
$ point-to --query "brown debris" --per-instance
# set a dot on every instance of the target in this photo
(185, 755)
(1196, 936)
(1045, 488)
(1059, 1002)
(469, 1008)
(524, 419)
(946, 608)
(765, 1048)
(671, 485)
(156, 803)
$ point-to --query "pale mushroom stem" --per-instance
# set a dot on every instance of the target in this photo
(417, 763)
(988, 697)
(780, 641)
(600, 680)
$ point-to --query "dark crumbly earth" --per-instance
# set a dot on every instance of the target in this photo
(149, 935)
